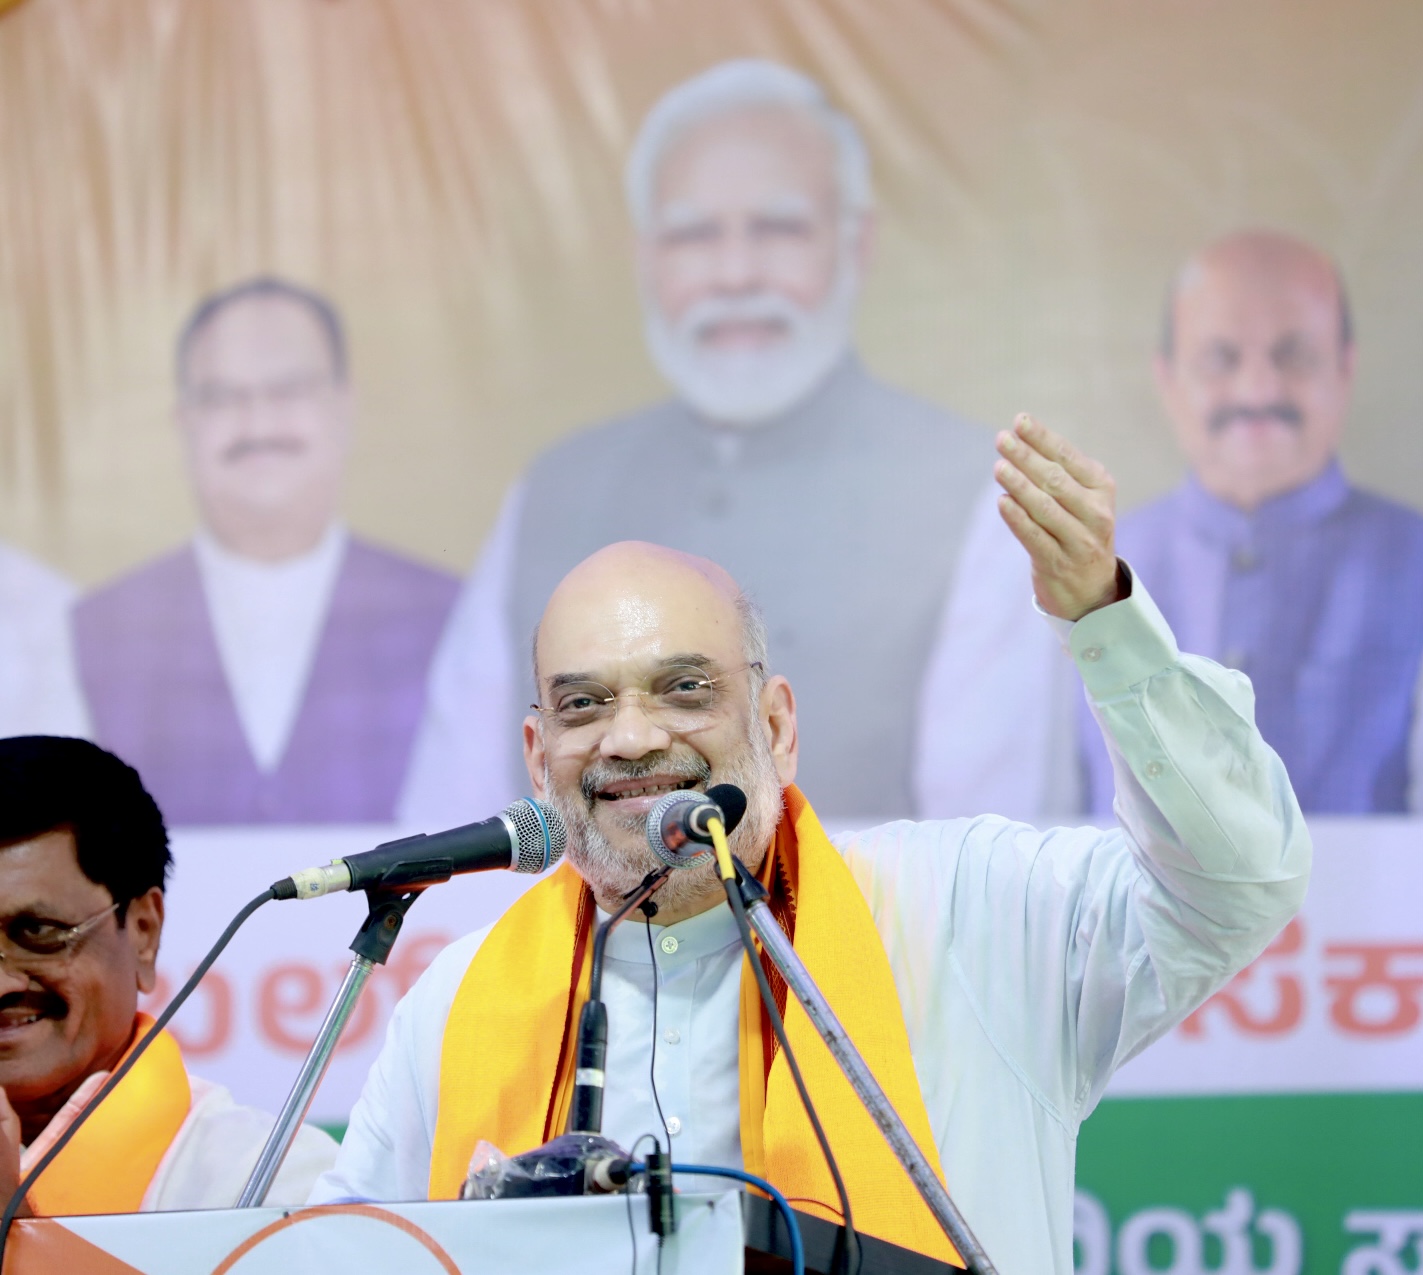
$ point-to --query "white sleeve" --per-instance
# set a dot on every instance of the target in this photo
(385, 1154)
(1415, 751)
(1078, 947)
(996, 712)
(1212, 858)
(217, 1148)
(463, 761)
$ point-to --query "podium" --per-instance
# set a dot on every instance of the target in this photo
(594, 1235)
(768, 1249)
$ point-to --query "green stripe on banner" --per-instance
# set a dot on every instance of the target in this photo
(1308, 1184)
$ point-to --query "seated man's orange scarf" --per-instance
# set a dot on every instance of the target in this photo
(506, 1067)
(109, 1164)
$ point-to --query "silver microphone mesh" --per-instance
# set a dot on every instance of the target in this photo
(539, 835)
(673, 858)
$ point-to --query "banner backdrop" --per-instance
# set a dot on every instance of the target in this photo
(307, 309)
(332, 332)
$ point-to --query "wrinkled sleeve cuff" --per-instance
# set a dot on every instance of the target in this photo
(1118, 646)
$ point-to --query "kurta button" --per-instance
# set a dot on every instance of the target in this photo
(674, 1125)
(669, 943)
(673, 1036)
(1154, 769)
(1091, 654)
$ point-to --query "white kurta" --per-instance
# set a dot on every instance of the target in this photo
(1029, 965)
(216, 1149)
(267, 619)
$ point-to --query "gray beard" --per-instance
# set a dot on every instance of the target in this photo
(614, 872)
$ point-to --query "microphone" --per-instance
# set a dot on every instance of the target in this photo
(680, 819)
(676, 820)
(527, 836)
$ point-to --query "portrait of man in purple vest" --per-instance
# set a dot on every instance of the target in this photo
(1267, 558)
(272, 670)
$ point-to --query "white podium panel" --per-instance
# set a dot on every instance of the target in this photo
(592, 1235)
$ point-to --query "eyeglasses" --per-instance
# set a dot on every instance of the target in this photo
(680, 699)
(32, 940)
(221, 397)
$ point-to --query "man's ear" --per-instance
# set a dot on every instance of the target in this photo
(778, 722)
(534, 755)
(143, 922)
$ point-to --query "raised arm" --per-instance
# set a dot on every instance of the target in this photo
(1213, 856)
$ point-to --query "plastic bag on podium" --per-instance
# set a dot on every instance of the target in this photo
(571, 1164)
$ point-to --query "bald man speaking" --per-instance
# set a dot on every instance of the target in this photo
(996, 975)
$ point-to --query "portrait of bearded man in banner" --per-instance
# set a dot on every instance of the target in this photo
(841, 503)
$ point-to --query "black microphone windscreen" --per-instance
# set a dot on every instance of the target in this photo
(732, 802)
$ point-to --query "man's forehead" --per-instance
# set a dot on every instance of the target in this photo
(630, 608)
(1276, 289)
(263, 331)
(781, 145)
(680, 213)
(39, 869)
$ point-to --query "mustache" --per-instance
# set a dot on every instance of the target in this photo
(1234, 413)
(762, 307)
(245, 447)
(602, 773)
(44, 1003)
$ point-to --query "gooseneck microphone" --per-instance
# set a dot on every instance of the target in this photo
(527, 836)
(677, 824)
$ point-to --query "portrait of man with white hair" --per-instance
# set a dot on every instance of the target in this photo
(841, 503)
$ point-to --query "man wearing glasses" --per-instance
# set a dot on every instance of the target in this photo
(993, 975)
(83, 861)
(274, 669)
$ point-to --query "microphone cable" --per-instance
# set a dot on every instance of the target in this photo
(851, 1253)
(652, 1065)
(12, 1207)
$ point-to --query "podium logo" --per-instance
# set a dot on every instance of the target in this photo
(360, 1236)
(1232, 1240)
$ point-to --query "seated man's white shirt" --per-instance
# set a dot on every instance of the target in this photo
(39, 683)
(1029, 965)
(216, 1149)
(268, 618)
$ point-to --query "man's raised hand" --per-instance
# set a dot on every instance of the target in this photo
(1062, 507)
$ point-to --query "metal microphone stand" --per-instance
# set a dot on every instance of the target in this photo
(372, 945)
(783, 956)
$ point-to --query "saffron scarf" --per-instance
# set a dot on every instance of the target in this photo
(109, 1164)
(516, 1012)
